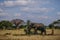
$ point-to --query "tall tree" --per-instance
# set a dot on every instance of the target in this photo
(53, 24)
(17, 22)
(56, 24)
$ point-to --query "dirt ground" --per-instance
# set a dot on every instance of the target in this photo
(20, 35)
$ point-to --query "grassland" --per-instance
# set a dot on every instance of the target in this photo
(20, 35)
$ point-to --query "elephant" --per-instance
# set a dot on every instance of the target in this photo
(36, 26)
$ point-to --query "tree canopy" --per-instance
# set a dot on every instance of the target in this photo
(5, 24)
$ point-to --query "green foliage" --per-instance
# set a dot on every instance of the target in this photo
(23, 26)
(8, 25)
(28, 22)
(52, 25)
(5, 24)
(17, 22)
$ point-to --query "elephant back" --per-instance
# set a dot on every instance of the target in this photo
(38, 25)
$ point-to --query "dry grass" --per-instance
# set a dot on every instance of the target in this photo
(20, 35)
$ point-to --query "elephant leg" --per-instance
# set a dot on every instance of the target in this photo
(41, 32)
(45, 32)
(27, 31)
(35, 31)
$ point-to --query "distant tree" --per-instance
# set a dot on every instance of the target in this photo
(58, 20)
(17, 22)
(0, 26)
(57, 24)
(53, 24)
(22, 26)
(5, 24)
(50, 26)
(28, 22)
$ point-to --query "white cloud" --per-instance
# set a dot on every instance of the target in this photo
(1, 10)
(17, 14)
(58, 13)
(3, 14)
(10, 3)
(42, 17)
(21, 2)
(1, 3)
(14, 3)
(30, 16)
(44, 10)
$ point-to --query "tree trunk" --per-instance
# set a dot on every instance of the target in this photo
(17, 27)
(52, 31)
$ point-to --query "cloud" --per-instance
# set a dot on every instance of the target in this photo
(17, 15)
(10, 3)
(58, 13)
(43, 10)
(41, 17)
(14, 3)
(3, 13)
(30, 16)
(1, 10)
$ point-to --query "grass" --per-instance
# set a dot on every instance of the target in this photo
(20, 35)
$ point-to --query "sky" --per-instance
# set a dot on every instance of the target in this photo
(40, 11)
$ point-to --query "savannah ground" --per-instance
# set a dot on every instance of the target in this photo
(20, 35)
